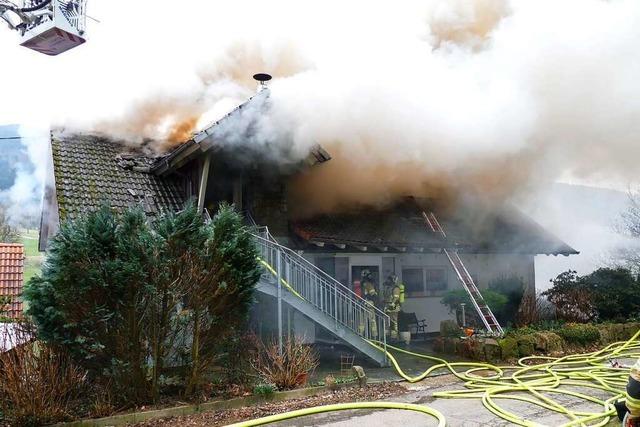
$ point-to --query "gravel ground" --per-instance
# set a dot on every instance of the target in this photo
(220, 418)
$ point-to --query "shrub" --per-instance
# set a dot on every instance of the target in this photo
(38, 384)
(452, 299)
(449, 329)
(513, 289)
(534, 310)
(289, 369)
(235, 358)
(508, 348)
(264, 390)
(152, 294)
(547, 342)
(615, 293)
(526, 345)
(572, 299)
(580, 334)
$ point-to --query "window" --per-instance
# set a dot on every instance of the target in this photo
(436, 279)
(413, 279)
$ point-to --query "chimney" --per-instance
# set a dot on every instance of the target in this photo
(262, 79)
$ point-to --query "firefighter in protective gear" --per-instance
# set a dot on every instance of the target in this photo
(371, 296)
(394, 297)
(632, 418)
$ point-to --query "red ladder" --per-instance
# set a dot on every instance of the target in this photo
(485, 313)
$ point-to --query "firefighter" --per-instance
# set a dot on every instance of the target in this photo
(371, 296)
(632, 418)
(394, 293)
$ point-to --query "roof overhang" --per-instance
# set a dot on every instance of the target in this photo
(230, 134)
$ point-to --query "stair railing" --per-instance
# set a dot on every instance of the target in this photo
(321, 290)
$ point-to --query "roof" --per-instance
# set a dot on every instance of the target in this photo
(235, 136)
(402, 227)
(11, 278)
(91, 170)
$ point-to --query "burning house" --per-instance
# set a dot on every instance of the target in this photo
(317, 259)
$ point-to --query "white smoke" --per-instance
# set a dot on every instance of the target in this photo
(492, 95)
(23, 200)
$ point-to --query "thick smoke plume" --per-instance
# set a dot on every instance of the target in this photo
(432, 98)
(171, 118)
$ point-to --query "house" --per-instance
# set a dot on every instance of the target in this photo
(11, 279)
(323, 255)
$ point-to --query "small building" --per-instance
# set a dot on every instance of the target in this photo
(11, 279)
(224, 164)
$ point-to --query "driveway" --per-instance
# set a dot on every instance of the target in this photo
(458, 412)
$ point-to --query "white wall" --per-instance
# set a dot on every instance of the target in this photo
(484, 268)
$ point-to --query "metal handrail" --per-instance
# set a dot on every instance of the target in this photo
(317, 270)
(322, 291)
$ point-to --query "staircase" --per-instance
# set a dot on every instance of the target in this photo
(317, 295)
(486, 315)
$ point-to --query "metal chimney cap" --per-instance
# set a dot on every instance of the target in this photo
(262, 77)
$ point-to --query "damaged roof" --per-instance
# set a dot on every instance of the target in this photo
(91, 170)
(402, 227)
(241, 135)
(11, 278)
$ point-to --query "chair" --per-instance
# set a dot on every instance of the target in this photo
(414, 325)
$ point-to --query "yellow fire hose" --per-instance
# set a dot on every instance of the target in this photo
(533, 382)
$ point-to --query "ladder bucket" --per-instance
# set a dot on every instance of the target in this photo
(60, 30)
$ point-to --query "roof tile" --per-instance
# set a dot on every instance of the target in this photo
(88, 174)
(12, 277)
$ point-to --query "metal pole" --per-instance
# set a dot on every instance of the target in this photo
(384, 339)
(335, 303)
(464, 319)
(279, 274)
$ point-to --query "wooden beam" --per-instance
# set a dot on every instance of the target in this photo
(362, 248)
(204, 178)
(340, 245)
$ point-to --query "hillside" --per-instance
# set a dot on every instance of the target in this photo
(14, 155)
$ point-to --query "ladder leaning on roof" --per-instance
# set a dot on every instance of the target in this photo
(485, 313)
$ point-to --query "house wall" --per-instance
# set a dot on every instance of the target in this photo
(484, 268)
(50, 217)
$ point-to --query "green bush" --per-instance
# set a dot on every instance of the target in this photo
(526, 345)
(615, 293)
(509, 348)
(125, 294)
(580, 334)
(449, 329)
(547, 342)
(452, 299)
(264, 390)
(512, 288)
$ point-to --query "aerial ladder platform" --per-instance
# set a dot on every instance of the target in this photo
(482, 308)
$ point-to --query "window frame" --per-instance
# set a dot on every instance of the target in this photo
(445, 281)
(414, 294)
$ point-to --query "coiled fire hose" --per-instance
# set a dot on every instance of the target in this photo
(533, 382)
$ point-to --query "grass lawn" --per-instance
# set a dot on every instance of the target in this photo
(34, 259)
